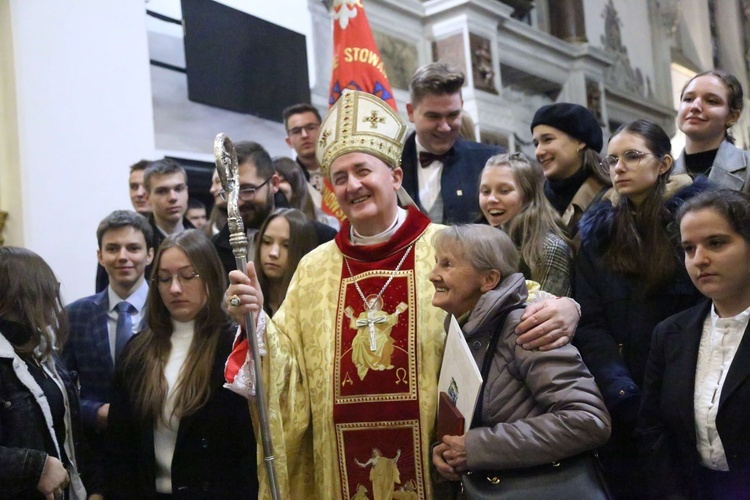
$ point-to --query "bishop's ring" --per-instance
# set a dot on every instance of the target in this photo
(234, 301)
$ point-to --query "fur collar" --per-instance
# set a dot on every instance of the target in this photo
(598, 223)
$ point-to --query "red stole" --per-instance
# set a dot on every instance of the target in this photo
(376, 405)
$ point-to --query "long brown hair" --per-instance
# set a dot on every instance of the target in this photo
(537, 219)
(302, 239)
(641, 246)
(30, 292)
(146, 357)
(292, 173)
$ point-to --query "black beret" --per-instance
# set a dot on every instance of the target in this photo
(574, 120)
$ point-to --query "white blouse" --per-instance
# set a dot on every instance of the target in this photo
(720, 340)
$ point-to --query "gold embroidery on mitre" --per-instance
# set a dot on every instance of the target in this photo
(324, 138)
(374, 119)
(361, 122)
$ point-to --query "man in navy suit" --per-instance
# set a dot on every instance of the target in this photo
(441, 170)
(125, 249)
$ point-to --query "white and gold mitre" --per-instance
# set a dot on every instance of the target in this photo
(360, 122)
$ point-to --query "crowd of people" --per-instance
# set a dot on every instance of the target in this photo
(602, 289)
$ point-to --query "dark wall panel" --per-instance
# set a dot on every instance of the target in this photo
(238, 62)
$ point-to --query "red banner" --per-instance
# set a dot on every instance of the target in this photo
(357, 64)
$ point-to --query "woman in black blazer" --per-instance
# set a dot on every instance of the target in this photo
(695, 411)
(175, 431)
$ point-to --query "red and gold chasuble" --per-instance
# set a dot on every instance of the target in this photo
(376, 408)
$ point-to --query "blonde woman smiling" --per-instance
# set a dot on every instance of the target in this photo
(511, 198)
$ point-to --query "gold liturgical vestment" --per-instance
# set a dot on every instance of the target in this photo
(349, 417)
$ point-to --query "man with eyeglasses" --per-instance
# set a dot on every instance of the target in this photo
(259, 184)
(101, 324)
(302, 123)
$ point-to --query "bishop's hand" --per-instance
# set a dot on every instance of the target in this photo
(243, 295)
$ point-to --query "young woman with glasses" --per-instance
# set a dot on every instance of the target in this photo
(710, 104)
(512, 198)
(174, 429)
(628, 278)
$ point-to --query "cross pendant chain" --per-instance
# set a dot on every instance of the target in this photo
(371, 319)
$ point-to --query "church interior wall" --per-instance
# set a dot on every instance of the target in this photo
(79, 101)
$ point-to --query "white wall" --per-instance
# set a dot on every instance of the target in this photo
(83, 103)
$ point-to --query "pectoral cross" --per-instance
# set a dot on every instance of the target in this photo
(371, 326)
(370, 323)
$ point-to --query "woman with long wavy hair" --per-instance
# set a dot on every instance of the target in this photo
(40, 425)
(512, 198)
(628, 279)
(285, 237)
(174, 428)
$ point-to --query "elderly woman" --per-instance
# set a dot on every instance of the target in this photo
(39, 414)
(537, 407)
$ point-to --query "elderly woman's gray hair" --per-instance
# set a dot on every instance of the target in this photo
(484, 247)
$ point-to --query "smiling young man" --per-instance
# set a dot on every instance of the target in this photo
(98, 329)
(357, 330)
(441, 170)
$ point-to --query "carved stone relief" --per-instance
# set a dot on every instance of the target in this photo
(493, 139)
(451, 51)
(399, 57)
(594, 100)
(621, 74)
(481, 63)
(670, 14)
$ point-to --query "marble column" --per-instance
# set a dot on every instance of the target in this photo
(566, 20)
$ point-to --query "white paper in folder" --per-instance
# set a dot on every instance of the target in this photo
(459, 376)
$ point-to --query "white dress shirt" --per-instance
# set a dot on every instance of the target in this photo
(136, 299)
(429, 179)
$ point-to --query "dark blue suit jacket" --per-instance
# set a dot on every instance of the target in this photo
(87, 352)
(459, 182)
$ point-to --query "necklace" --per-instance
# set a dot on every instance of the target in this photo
(376, 300)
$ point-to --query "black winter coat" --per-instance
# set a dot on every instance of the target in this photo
(215, 453)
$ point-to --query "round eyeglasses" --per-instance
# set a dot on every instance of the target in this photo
(631, 158)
